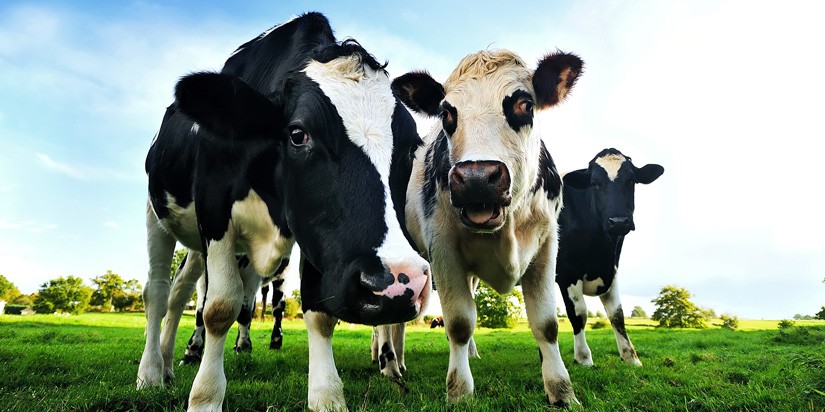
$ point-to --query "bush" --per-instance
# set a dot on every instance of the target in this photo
(64, 294)
(638, 312)
(291, 308)
(12, 309)
(600, 324)
(728, 321)
(785, 323)
(496, 310)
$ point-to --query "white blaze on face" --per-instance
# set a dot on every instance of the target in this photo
(611, 164)
(364, 100)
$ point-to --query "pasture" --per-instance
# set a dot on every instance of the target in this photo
(89, 363)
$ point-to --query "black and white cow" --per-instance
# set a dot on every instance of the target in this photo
(297, 139)
(597, 215)
(484, 197)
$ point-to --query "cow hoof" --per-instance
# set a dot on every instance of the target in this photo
(169, 376)
(403, 369)
(190, 360)
(633, 362)
(560, 393)
(150, 374)
(275, 344)
(586, 362)
(244, 348)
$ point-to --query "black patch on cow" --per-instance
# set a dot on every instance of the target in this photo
(436, 169)
(403, 278)
(551, 331)
(449, 118)
(459, 331)
(517, 118)
(245, 315)
(617, 320)
(420, 92)
(405, 144)
(243, 261)
(199, 317)
(548, 177)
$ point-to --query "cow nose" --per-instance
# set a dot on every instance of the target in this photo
(480, 182)
(619, 224)
(406, 282)
(484, 173)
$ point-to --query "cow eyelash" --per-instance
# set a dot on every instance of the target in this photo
(297, 136)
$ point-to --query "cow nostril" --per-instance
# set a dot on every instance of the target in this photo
(496, 175)
(618, 220)
(456, 178)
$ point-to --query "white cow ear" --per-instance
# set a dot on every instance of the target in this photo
(578, 179)
(555, 75)
(420, 92)
(227, 107)
(648, 173)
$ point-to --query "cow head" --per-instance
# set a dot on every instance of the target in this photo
(336, 131)
(486, 108)
(610, 180)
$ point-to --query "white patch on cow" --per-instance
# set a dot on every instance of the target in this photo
(611, 163)
(195, 128)
(364, 100)
(182, 223)
(258, 235)
(325, 391)
(591, 286)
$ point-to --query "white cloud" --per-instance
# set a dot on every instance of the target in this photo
(59, 167)
(111, 225)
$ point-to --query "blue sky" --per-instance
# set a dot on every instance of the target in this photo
(727, 96)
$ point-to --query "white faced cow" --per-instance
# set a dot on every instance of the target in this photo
(597, 214)
(297, 139)
(484, 197)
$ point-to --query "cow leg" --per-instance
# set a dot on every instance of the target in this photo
(278, 306)
(473, 351)
(224, 296)
(538, 285)
(325, 391)
(459, 319)
(387, 359)
(186, 277)
(251, 284)
(264, 293)
(374, 344)
(577, 313)
(613, 307)
(398, 332)
(194, 348)
(161, 246)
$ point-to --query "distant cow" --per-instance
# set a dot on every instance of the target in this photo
(437, 322)
(191, 271)
(298, 139)
(597, 214)
(484, 197)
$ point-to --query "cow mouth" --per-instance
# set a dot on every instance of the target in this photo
(483, 216)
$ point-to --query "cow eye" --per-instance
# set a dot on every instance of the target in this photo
(524, 107)
(447, 116)
(298, 136)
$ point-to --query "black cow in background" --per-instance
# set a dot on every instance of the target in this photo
(597, 215)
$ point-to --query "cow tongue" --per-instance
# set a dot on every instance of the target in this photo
(480, 213)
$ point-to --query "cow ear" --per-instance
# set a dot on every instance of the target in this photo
(227, 107)
(577, 179)
(554, 77)
(649, 173)
(420, 92)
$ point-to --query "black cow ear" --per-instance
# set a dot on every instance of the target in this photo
(577, 179)
(555, 75)
(420, 92)
(227, 107)
(648, 173)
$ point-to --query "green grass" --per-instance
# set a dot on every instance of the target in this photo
(89, 363)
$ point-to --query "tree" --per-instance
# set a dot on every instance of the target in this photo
(638, 312)
(25, 300)
(107, 286)
(496, 310)
(129, 297)
(675, 310)
(8, 291)
(729, 321)
(291, 308)
(177, 260)
(709, 313)
(296, 294)
(64, 294)
(821, 314)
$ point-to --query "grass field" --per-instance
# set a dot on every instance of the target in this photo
(89, 363)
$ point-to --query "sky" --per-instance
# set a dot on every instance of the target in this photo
(726, 95)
